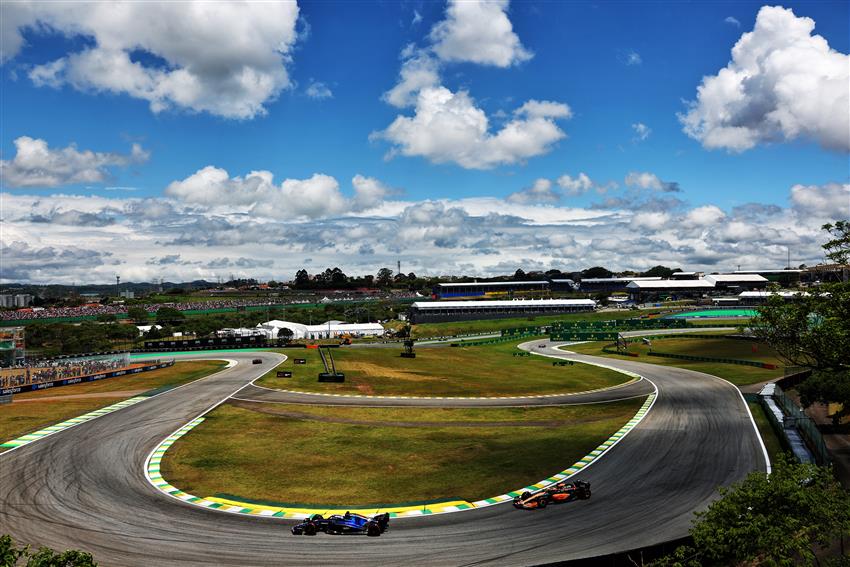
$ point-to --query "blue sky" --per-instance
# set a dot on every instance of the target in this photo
(621, 74)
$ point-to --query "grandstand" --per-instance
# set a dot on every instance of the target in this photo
(44, 372)
(488, 289)
(435, 311)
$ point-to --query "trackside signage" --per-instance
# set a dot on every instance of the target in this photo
(92, 378)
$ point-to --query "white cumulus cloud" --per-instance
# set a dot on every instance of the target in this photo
(574, 186)
(541, 191)
(227, 58)
(478, 31)
(418, 71)
(828, 202)
(448, 127)
(642, 131)
(37, 165)
(647, 180)
(318, 196)
(707, 215)
(782, 83)
(319, 91)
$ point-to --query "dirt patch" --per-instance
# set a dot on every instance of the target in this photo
(380, 371)
(259, 408)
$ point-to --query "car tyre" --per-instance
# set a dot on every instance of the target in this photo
(373, 530)
(543, 502)
(310, 529)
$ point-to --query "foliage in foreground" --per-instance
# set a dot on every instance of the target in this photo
(10, 556)
(814, 331)
(776, 519)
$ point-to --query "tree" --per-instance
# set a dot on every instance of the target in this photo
(169, 315)
(519, 274)
(813, 331)
(138, 314)
(659, 271)
(302, 279)
(596, 272)
(838, 248)
(285, 333)
(769, 519)
(385, 277)
(44, 557)
(106, 318)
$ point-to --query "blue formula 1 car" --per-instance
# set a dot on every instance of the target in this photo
(342, 524)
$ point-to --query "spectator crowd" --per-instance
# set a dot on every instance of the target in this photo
(121, 309)
(38, 372)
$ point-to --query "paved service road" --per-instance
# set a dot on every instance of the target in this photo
(85, 488)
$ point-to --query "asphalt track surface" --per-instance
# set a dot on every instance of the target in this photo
(85, 488)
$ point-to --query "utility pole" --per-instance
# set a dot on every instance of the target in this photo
(398, 263)
(118, 286)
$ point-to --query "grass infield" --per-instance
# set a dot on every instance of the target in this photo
(275, 458)
(766, 431)
(490, 370)
(53, 405)
(718, 348)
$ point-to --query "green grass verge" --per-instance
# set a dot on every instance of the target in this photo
(490, 370)
(273, 458)
(719, 348)
(768, 435)
(59, 404)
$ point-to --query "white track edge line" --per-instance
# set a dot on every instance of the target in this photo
(230, 364)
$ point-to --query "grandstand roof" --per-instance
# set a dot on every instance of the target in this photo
(502, 303)
(615, 280)
(671, 284)
(536, 282)
(768, 271)
(736, 278)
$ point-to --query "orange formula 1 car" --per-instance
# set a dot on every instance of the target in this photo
(557, 493)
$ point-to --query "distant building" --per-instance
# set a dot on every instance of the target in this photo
(17, 300)
(786, 278)
(686, 275)
(737, 281)
(651, 290)
(434, 311)
(127, 294)
(591, 285)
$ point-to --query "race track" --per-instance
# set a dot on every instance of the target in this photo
(85, 488)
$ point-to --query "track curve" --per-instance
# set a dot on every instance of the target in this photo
(85, 488)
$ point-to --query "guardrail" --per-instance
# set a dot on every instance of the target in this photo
(494, 340)
(765, 365)
(804, 424)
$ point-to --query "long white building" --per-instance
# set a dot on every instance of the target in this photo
(326, 330)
